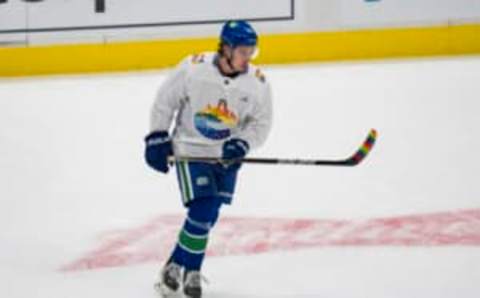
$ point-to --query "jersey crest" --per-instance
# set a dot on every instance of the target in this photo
(216, 122)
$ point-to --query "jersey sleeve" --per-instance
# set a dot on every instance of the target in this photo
(169, 98)
(259, 123)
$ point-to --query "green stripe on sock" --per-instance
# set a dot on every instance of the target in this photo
(196, 244)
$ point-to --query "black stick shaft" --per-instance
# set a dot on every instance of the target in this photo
(271, 161)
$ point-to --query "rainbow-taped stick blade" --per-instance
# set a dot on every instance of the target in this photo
(364, 149)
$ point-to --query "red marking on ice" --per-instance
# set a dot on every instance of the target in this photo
(239, 236)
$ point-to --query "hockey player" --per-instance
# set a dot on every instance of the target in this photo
(223, 110)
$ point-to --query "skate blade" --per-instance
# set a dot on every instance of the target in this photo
(166, 292)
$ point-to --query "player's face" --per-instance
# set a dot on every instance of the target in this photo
(241, 55)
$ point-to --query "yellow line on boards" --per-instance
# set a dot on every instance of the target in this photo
(274, 49)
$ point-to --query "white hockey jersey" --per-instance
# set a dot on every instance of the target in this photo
(211, 108)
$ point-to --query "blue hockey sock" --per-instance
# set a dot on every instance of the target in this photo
(193, 238)
(191, 245)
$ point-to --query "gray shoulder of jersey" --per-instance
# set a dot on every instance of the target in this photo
(258, 79)
(257, 73)
(196, 61)
(199, 59)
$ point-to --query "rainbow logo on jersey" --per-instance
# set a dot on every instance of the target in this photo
(216, 122)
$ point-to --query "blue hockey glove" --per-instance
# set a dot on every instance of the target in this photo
(158, 148)
(234, 149)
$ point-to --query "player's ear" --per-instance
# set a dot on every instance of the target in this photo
(221, 46)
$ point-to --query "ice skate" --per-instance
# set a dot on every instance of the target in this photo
(169, 280)
(192, 284)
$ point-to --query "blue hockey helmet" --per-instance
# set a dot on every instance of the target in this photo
(238, 33)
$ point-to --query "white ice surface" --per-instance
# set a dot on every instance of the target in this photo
(71, 167)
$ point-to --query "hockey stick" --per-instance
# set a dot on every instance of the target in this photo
(353, 160)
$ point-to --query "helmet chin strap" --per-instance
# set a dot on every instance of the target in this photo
(229, 60)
